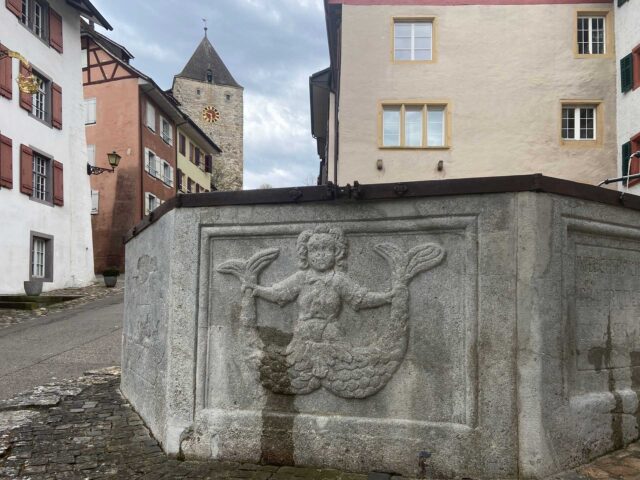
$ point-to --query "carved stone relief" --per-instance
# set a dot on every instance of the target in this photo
(318, 355)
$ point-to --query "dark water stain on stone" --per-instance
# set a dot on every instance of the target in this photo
(634, 363)
(278, 415)
(600, 358)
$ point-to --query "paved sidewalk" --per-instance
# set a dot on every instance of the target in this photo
(89, 294)
(84, 429)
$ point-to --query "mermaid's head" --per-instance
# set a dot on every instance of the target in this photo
(322, 248)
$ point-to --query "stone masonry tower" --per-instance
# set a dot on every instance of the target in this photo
(214, 100)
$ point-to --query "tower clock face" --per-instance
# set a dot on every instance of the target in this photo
(210, 114)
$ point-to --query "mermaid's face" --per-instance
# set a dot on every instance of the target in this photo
(321, 252)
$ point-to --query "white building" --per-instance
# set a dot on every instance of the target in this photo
(627, 19)
(45, 198)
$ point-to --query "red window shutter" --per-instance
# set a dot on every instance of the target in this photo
(26, 99)
(6, 162)
(26, 170)
(55, 30)
(5, 75)
(56, 106)
(58, 184)
(15, 7)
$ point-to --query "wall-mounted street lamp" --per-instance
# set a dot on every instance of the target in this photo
(114, 160)
(27, 84)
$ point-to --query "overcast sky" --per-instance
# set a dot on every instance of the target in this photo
(271, 48)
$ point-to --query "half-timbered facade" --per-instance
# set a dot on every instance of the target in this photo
(44, 188)
(127, 112)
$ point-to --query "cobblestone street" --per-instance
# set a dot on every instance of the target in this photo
(84, 429)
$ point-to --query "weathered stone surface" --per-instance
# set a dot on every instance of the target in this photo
(516, 353)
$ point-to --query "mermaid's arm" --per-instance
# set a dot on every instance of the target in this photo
(282, 292)
(359, 297)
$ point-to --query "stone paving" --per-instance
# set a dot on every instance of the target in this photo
(84, 429)
(89, 294)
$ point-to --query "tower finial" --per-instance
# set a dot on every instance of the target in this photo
(204, 20)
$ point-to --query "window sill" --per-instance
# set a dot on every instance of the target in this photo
(592, 56)
(44, 122)
(444, 147)
(43, 202)
(580, 143)
(404, 62)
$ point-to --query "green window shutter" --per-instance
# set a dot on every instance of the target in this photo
(626, 153)
(621, 2)
(626, 73)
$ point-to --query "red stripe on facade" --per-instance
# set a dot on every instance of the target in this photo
(464, 2)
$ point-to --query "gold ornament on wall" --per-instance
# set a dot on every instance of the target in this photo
(26, 83)
(210, 114)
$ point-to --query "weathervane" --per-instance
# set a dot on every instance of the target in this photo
(204, 20)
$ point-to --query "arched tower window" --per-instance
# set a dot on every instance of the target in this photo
(209, 76)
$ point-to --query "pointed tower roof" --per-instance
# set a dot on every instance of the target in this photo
(206, 58)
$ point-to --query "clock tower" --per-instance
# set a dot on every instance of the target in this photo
(210, 95)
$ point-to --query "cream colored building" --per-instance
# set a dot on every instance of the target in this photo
(628, 87)
(196, 154)
(418, 90)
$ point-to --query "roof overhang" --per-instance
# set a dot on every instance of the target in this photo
(170, 107)
(90, 12)
(320, 91)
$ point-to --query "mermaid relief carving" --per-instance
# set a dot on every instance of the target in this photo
(318, 355)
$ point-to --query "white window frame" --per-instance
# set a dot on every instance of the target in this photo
(151, 202)
(41, 100)
(166, 136)
(84, 58)
(90, 111)
(590, 33)
(167, 173)
(576, 122)
(95, 202)
(39, 258)
(42, 171)
(425, 122)
(413, 23)
(91, 155)
(150, 114)
(149, 168)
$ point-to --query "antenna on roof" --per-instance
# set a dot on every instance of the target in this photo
(204, 20)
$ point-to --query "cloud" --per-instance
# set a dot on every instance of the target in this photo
(270, 51)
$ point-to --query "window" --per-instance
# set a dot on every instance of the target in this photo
(592, 34)
(189, 185)
(197, 158)
(151, 202)
(41, 257)
(41, 100)
(41, 177)
(414, 126)
(579, 122)
(151, 117)
(167, 173)
(626, 73)
(91, 155)
(413, 40)
(167, 131)
(89, 111)
(182, 144)
(209, 76)
(35, 16)
(95, 201)
(180, 179)
(84, 58)
(151, 162)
